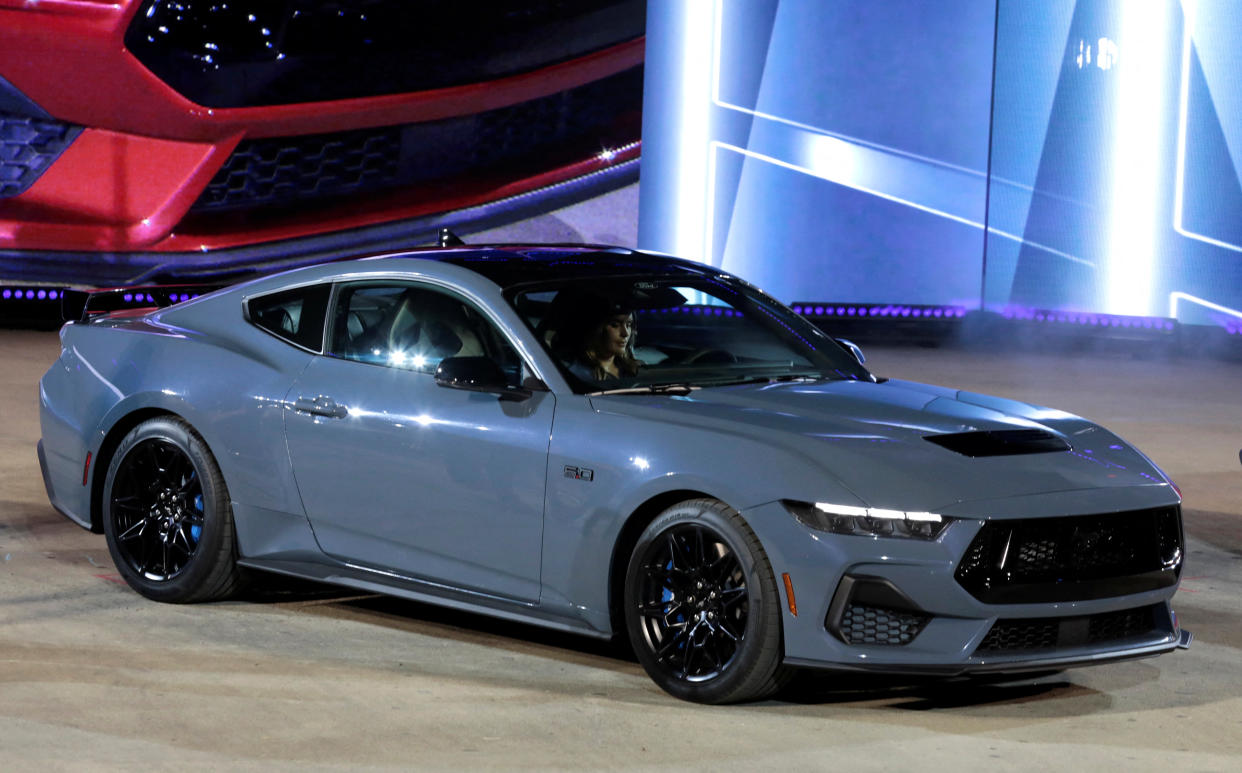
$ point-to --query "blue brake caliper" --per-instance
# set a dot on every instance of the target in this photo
(196, 530)
(667, 596)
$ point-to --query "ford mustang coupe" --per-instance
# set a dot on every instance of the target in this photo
(611, 443)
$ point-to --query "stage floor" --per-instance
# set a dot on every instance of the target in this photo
(296, 678)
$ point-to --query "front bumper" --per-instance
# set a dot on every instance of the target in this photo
(895, 605)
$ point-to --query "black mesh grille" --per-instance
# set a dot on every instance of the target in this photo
(567, 125)
(1005, 442)
(1048, 633)
(297, 168)
(1072, 558)
(877, 625)
(1009, 635)
(28, 146)
(1118, 625)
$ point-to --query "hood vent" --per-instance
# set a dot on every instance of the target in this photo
(1001, 442)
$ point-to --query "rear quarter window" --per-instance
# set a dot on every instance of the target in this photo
(295, 315)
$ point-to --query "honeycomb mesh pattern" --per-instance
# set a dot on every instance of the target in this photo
(28, 146)
(1046, 633)
(1073, 557)
(1008, 635)
(1118, 625)
(277, 171)
(877, 625)
(286, 169)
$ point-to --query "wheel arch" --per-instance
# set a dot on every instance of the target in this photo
(107, 449)
(627, 537)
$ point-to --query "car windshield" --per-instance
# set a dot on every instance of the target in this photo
(642, 335)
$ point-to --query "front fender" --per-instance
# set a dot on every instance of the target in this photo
(593, 489)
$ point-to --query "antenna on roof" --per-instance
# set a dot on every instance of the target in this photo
(449, 239)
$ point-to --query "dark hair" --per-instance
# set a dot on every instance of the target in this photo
(627, 363)
(577, 320)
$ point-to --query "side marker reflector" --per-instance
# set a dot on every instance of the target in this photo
(789, 594)
(86, 468)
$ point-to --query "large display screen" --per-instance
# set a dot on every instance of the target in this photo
(1075, 155)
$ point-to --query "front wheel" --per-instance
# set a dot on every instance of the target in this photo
(701, 606)
(167, 516)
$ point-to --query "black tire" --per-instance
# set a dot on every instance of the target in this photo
(702, 608)
(167, 516)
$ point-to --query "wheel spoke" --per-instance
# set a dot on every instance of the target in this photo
(679, 639)
(189, 485)
(700, 547)
(722, 627)
(136, 530)
(673, 550)
(731, 596)
(186, 547)
(693, 654)
(660, 608)
(130, 503)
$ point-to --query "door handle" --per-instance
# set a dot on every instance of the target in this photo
(320, 406)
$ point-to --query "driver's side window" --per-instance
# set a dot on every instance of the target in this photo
(412, 327)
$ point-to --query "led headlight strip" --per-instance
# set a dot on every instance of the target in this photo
(868, 521)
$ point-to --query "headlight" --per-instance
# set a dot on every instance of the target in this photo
(868, 521)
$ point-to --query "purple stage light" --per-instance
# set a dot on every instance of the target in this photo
(7, 294)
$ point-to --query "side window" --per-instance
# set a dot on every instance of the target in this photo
(413, 328)
(295, 315)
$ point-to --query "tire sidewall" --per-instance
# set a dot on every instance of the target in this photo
(184, 585)
(761, 600)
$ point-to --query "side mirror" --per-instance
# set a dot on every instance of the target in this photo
(478, 374)
(853, 349)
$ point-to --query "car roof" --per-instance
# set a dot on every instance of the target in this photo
(512, 265)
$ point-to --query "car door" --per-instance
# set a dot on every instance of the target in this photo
(400, 475)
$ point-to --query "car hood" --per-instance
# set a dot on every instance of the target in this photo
(871, 438)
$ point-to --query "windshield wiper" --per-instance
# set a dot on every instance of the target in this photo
(800, 377)
(679, 388)
(773, 379)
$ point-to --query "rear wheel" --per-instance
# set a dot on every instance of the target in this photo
(701, 606)
(167, 516)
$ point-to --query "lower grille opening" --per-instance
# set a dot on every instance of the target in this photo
(521, 139)
(1047, 633)
(877, 625)
(871, 610)
(28, 146)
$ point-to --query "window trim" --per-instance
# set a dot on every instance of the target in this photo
(323, 326)
(424, 283)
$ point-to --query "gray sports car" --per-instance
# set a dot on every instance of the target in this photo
(605, 442)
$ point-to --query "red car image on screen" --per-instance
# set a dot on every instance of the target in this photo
(143, 138)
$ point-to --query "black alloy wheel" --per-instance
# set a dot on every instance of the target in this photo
(167, 516)
(702, 609)
(157, 505)
(693, 602)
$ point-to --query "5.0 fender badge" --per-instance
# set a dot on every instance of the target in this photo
(579, 473)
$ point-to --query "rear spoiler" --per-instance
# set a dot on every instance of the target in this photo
(84, 305)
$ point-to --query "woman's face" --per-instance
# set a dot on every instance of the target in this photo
(615, 334)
